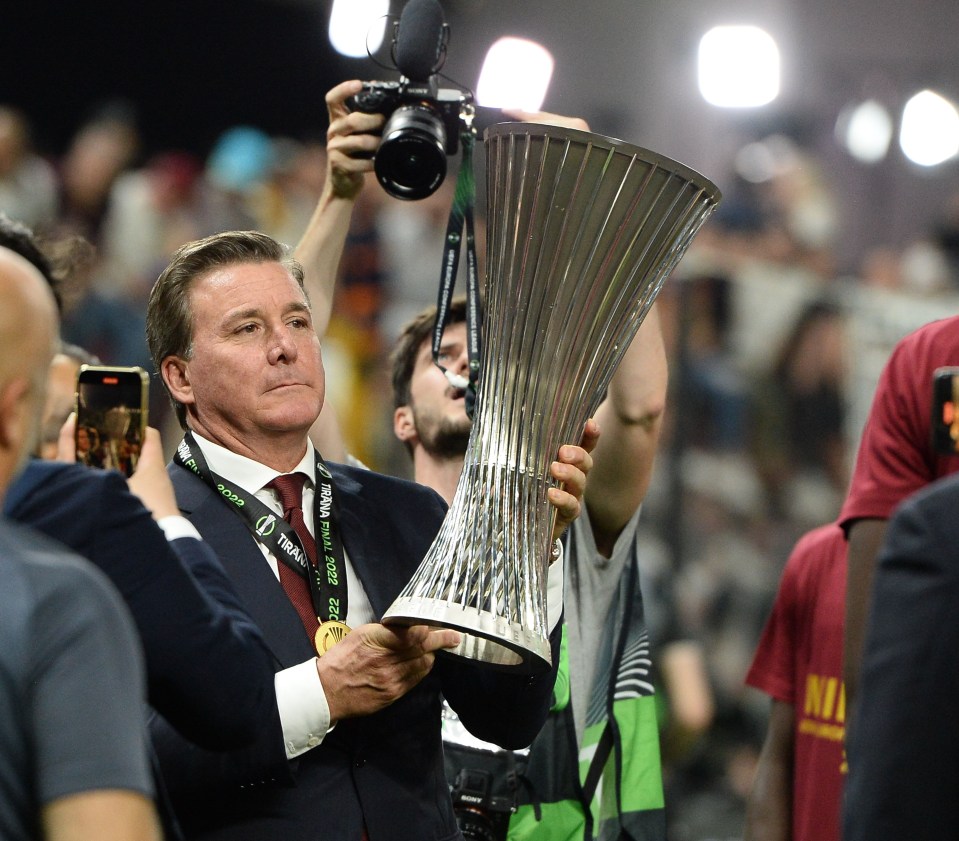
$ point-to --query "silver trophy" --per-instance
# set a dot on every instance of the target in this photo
(582, 232)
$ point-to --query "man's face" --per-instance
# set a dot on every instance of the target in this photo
(61, 391)
(439, 410)
(255, 366)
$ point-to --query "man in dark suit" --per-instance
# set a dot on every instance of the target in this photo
(358, 750)
(903, 741)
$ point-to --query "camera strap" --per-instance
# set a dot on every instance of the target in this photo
(461, 218)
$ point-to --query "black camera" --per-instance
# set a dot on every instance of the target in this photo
(422, 128)
(423, 122)
(480, 815)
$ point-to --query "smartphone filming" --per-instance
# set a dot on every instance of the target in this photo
(111, 416)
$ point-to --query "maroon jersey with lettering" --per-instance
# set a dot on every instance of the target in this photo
(799, 661)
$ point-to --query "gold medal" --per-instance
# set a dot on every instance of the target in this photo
(329, 634)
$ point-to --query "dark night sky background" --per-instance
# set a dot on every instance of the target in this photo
(191, 69)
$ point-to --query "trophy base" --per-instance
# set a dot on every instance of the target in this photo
(488, 639)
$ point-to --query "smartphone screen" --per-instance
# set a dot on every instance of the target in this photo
(945, 410)
(111, 417)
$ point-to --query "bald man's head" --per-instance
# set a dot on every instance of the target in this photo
(28, 333)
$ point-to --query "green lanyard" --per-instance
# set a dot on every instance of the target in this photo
(327, 579)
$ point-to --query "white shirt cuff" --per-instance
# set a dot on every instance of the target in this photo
(175, 527)
(554, 588)
(304, 711)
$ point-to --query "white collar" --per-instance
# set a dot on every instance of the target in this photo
(245, 472)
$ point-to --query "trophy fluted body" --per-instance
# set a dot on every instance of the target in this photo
(582, 231)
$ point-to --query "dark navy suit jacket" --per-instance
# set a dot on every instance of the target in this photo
(208, 670)
(903, 740)
(384, 771)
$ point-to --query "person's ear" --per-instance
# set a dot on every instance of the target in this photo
(404, 427)
(176, 375)
(14, 409)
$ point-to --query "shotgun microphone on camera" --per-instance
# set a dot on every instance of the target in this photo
(419, 43)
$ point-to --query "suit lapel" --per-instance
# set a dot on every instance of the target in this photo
(238, 551)
(367, 538)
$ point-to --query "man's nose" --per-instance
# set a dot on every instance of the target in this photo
(283, 347)
(462, 362)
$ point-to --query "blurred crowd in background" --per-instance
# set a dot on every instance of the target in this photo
(774, 351)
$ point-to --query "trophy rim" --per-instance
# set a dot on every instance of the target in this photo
(484, 634)
(550, 130)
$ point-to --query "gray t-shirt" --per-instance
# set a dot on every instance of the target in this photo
(592, 581)
(72, 688)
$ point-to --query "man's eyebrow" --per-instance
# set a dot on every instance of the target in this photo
(240, 315)
(254, 312)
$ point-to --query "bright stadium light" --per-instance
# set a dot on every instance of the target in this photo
(516, 74)
(357, 26)
(866, 131)
(929, 134)
(738, 67)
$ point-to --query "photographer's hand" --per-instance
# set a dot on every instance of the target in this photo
(351, 140)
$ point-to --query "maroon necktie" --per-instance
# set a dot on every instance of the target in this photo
(290, 490)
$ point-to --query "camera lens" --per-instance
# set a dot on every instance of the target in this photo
(475, 825)
(411, 160)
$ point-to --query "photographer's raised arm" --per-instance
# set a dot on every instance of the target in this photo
(351, 140)
(630, 420)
